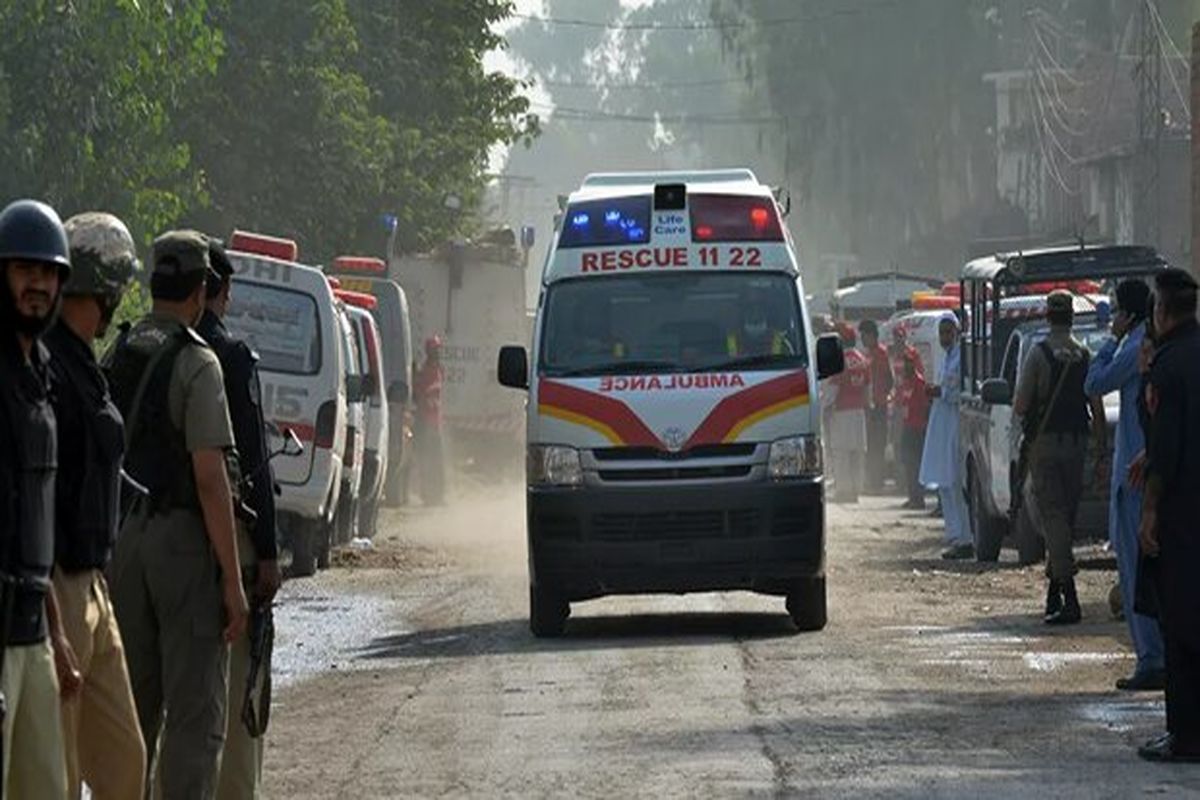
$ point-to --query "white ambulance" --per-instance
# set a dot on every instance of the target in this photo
(673, 415)
(285, 312)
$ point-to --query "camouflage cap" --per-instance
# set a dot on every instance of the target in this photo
(102, 253)
(1060, 301)
(178, 253)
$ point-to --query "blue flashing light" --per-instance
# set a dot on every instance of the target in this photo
(635, 234)
(580, 220)
(612, 217)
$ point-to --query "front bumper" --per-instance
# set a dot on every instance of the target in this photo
(761, 536)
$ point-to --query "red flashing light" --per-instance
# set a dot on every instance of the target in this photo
(257, 243)
(733, 218)
(704, 231)
(359, 264)
(356, 299)
(759, 218)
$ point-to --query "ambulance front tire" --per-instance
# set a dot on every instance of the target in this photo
(547, 613)
(304, 561)
(806, 604)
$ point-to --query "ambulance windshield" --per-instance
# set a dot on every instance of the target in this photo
(279, 324)
(654, 324)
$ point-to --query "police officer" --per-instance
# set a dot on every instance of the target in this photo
(35, 261)
(1055, 410)
(100, 726)
(241, 765)
(176, 580)
(1169, 531)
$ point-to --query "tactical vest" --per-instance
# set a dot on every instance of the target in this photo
(1069, 414)
(85, 540)
(30, 554)
(139, 372)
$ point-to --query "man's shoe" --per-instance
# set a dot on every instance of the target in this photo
(1151, 680)
(1070, 613)
(1054, 599)
(959, 552)
(1165, 750)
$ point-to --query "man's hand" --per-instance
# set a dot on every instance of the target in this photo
(269, 579)
(70, 681)
(1148, 532)
(237, 611)
(1137, 472)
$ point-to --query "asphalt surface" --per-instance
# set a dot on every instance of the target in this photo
(409, 671)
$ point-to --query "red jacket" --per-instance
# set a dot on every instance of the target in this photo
(882, 381)
(854, 382)
(427, 391)
(910, 396)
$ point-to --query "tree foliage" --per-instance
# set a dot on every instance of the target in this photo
(306, 118)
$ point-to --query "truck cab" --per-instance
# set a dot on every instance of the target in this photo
(1004, 306)
(673, 417)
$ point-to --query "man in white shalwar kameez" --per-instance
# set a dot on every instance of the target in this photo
(940, 460)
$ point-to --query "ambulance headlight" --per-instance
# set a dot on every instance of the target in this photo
(554, 465)
(797, 457)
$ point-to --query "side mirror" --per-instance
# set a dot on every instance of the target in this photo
(996, 392)
(513, 367)
(831, 359)
(292, 446)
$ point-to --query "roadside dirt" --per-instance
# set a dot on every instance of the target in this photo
(409, 671)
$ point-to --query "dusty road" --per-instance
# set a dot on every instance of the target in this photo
(409, 671)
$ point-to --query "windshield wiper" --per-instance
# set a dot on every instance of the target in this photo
(619, 368)
(782, 360)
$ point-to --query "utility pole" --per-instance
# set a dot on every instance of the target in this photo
(1148, 77)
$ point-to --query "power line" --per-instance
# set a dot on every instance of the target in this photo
(704, 26)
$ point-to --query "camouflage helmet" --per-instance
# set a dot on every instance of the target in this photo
(102, 253)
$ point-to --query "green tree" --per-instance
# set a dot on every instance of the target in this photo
(87, 91)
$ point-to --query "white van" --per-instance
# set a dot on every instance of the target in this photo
(375, 406)
(673, 415)
(346, 522)
(285, 312)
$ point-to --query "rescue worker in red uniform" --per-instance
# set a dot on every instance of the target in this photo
(848, 431)
(912, 405)
(882, 382)
(427, 392)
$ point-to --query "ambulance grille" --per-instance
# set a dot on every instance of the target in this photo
(653, 454)
(673, 525)
(675, 473)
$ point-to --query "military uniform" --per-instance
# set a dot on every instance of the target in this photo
(241, 763)
(34, 758)
(167, 585)
(100, 725)
(1058, 424)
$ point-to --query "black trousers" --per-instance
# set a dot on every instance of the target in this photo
(877, 435)
(1183, 693)
(912, 446)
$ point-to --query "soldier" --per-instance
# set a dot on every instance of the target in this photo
(35, 261)
(1050, 399)
(241, 764)
(177, 584)
(100, 725)
(1169, 533)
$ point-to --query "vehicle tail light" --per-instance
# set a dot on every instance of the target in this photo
(326, 425)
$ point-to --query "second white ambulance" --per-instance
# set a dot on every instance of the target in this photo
(673, 415)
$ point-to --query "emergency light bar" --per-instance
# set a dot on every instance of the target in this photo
(601, 223)
(734, 218)
(259, 244)
(359, 264)
(357, 299)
